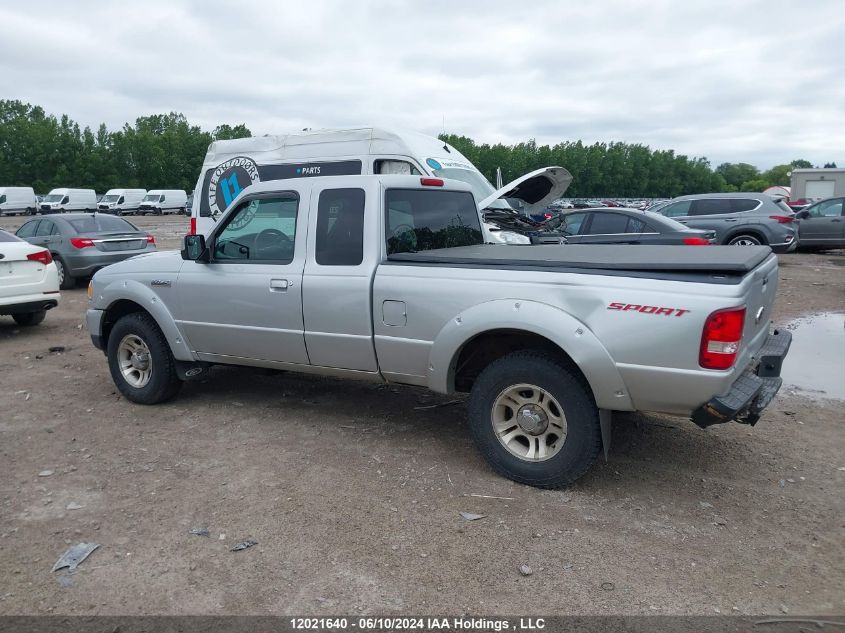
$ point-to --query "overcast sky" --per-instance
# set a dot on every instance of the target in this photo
(755, 81)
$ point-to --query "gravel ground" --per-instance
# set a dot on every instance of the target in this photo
(354, 493)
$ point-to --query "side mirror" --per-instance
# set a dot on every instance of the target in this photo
(194, 249)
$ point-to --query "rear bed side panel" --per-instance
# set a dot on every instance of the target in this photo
(654, 350)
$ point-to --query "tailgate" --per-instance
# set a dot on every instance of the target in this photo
(759, 301)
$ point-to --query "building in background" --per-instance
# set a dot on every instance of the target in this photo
(817, 184)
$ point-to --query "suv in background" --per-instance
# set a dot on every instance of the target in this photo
(739, 219)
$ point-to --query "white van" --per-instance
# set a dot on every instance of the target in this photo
(14, 200)
(158, 201)
(233, 165)
(63, 200)
(121, 201)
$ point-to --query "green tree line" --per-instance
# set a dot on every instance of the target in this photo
(164, 151)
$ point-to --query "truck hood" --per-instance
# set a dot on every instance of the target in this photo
(153, 263)
(536, 189)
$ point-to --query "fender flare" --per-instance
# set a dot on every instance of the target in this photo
(135, 291)
(552, 323)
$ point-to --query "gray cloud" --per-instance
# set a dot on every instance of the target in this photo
(756, 80)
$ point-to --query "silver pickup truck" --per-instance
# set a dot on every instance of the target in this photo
(386, 278)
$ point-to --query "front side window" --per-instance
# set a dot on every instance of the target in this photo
(425, 219)
(826, 209)
(608, 224)
(45, 228)
(676, 209)
(340, 227)
(28, 229)
(571, 223)
(260, 230)
(3, 199)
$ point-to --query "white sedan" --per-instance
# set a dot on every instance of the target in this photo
(29, 282)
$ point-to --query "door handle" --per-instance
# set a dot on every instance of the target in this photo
(730, 219)
(837, 220)
(278, 285)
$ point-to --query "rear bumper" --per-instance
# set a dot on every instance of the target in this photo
(753, 390)
(29, 306)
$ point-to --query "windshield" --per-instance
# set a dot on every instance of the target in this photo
(152, 198)
(53, 197)
(109, 198)
(481, 189)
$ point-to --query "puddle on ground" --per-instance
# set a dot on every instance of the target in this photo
(815, 365)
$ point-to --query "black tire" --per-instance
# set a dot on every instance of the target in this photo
(29, 318)
(582, 442)
(66, 280)
(164, 382)
(752, 240)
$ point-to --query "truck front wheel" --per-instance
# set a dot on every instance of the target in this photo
(535, 420)
(140, 360)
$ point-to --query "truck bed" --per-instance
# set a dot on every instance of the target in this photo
(725, 262)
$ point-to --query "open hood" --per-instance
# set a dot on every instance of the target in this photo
(536, 189)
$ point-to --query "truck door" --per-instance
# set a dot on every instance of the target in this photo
(343, 251)
(246, 302)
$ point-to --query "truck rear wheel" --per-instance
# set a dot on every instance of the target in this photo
(535, 420)
(140, 360)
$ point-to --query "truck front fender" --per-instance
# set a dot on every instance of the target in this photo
(559, 327)
(144, 296)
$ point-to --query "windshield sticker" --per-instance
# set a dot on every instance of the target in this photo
(228, 180)
(433, 163)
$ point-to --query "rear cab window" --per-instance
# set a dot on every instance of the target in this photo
(425, 219)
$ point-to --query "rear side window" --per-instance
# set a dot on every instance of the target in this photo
(28, 229)
(340, 227)
(425, 219)
(711, 206)
(744, 204)
(677, 209)
(101, 224)
(608, 224)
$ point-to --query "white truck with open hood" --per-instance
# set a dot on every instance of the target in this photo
(231, 166)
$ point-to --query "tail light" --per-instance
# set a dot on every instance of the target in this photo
(41, 256)
(720, 338)
(193, 229)
(782, 219)
(81, 242)
(696, 241)
(548, 216)
(151, 239)
(431, 182)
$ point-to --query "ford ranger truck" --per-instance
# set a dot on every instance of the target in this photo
(387, 278)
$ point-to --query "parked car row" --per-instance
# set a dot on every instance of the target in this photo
(23, 201)
(736, 219)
